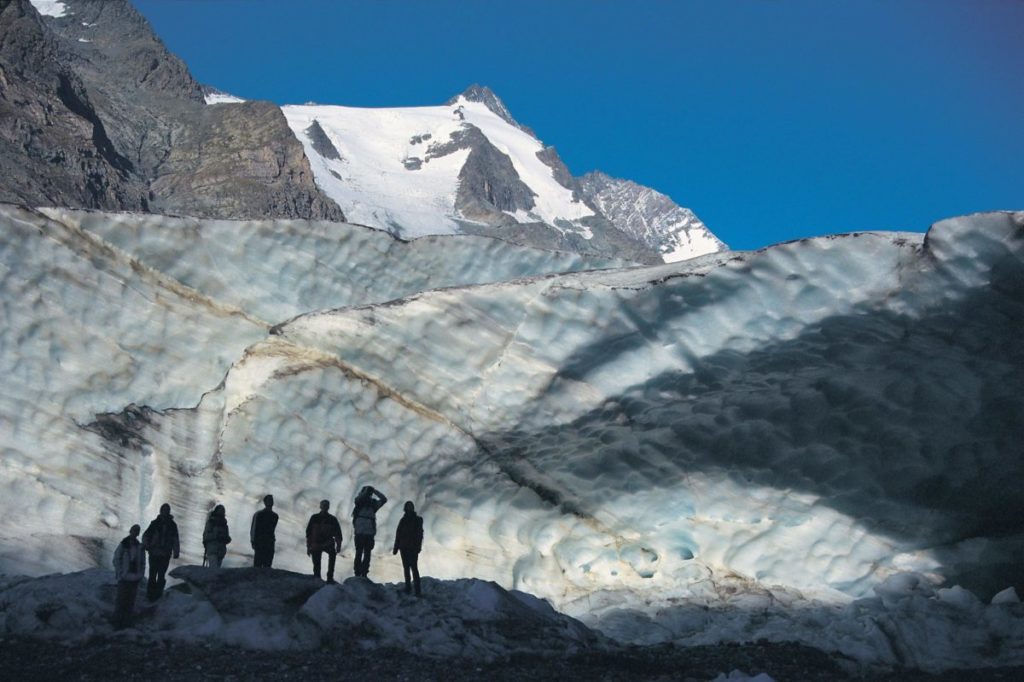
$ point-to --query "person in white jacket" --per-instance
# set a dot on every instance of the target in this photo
(129, 569)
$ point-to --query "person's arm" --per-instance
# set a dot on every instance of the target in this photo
(252, 531)
(398, 534)
(381, 501)
(177, 546)
(309, 535)
(337, 535)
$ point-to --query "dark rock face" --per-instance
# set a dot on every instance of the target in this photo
(549, 157)
(321, 143)
(644, 214)
(54, 146)
(98, 114)
(238, 161)
(488, 180)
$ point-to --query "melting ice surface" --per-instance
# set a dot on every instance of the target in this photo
(808, 439)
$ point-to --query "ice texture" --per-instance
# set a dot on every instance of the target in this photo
(801, 442)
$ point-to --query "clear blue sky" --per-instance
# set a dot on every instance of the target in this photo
(771, 119)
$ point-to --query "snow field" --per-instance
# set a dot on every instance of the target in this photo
(373, 186)
(50, 8)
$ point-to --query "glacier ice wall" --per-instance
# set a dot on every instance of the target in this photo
(112, 321)
(811, 417)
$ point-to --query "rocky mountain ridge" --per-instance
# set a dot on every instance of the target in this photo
(468, 167)
(98, 114)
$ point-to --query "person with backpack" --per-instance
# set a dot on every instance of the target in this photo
(161, 541)
(261, 534)
(364, 522)
(216, 537)
(409, 541)
(323, 534)
(129, 570)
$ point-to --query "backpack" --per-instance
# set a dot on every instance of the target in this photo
(365, 520)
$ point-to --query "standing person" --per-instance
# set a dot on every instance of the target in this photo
(129, 569)
(409, 541)
(323, 534)
(364, 521)
(161, 541)
(216, 537)
(261, 534)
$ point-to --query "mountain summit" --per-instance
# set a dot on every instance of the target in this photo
(99, 114)
(468, 167)
(484, 95)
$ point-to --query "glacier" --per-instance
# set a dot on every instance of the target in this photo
(741, 445)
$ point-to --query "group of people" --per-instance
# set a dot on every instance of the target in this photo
(323, 536)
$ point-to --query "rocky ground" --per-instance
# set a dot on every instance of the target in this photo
(126, 659)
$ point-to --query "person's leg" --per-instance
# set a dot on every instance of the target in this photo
(270, 555)
(368, 542)
(132, 592)
(215, 557)
(121, 608)
(357, 564)
(157, 568)
(317, 555)
(162, 574)
(414, 565)
(331, 558)
(405, 570)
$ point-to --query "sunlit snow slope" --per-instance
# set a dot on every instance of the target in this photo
(803, 421)
(398, 169)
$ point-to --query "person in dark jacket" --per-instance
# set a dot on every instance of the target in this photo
(409, 541)
(261, 534)
(129, 569)
(161, 541)
(216, 537)
(323, 534)
(364, 522)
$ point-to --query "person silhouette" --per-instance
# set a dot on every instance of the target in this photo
(216, 537)
(364, 523)
(409, 541)
(161, 541)
(261, 534)
(323, 534)
(129, 570)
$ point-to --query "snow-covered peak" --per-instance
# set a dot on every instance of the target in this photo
(484, 95)
(468, 166)
(651, 217)
(410, 171)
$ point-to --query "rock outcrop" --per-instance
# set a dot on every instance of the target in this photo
(98, 114)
